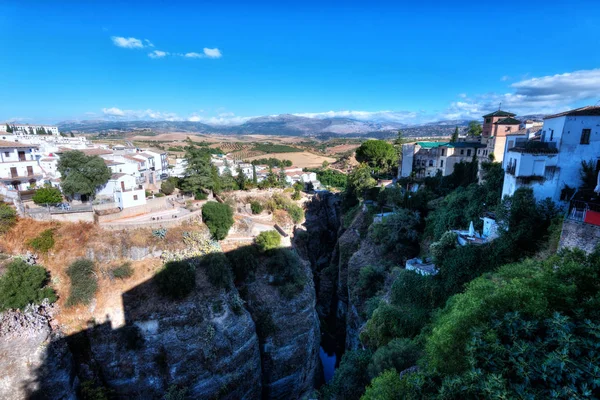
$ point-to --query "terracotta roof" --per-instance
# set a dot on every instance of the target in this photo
(111, 162)
(96, 152)
(508, 121)
(132, 158)
(8, 144)
(578, 112)
(114, 177)
(500, 113)
(48, 159)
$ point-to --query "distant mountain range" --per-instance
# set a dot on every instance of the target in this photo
(284, 125)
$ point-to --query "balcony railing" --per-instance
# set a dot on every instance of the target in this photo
(586, 212)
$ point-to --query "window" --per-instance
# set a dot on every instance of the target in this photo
(462, 152)
(443, 151)
(551, 134)
(468, 152)
(488, 120)
(135, 196)
(6, 154)
(585, 136)
(441, 163)
(431, 163)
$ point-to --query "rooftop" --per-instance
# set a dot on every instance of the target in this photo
(500, 113)
(95, 152)
(114, 177)
(508, 121)
(457, 145)
(525, 131)
(578, 112)
(4, 144)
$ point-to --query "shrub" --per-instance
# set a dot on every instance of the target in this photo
(296, 213)
(23, 284)
(167, 187)
(286, 268)
(218, 218)
(370, 281)
(8, 217)
(47, 195)
(389, 322)
(350, 378)
(43, 242)
(176, 279)
(83, 282)
(386, 386)
(398, 354)
(256, 207)
(159, 194)
(397, 232)
(123, 271)
(218, 270)
(268, 240)
(243, 261)
(296, 195)
(148, 193)
(200, 196)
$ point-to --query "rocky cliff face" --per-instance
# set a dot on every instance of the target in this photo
(288, 329)
(34, 360)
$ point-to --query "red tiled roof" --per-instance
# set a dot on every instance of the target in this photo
(578, 112)
(8, 144)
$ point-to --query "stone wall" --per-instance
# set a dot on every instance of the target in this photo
(152, 205)
(578, 234)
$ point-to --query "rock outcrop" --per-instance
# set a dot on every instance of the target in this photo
(35, 361)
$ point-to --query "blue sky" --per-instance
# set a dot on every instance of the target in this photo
(222, 62)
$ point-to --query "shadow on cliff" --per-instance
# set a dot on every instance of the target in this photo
(246, 329)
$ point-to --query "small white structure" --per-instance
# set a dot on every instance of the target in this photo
(29, 129)
(421, 267)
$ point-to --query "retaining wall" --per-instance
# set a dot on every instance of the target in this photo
(579, 234)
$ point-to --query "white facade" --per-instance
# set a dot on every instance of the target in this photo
(567, 140)
(27, 129)
(19, 167)
(130, 198)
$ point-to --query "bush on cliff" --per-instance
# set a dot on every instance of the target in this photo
(350, 378)
(23, 284)
(399, 354)
(176, 279)
(217, 269)
(268, 240)
(397, 232)
(8, 217)
(256, 207)
(244, 262)
(43, 242)
(167, 187)
(287, 271)
(83, 282)
(218, 217)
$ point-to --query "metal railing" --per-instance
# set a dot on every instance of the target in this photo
(578, 210)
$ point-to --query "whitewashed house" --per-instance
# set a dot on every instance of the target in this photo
(19, 167)
(551, 166)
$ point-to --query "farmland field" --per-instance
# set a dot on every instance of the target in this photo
(299, 159)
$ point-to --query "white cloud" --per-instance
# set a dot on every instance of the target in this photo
(207, 53)
(128, 43)
(193, 55)
(462, 95)
(540, 95)
(225, 118)
(378, 116)
(157, 54)
(505, 78)
(212, 53)
(148, 43)
(148, 114)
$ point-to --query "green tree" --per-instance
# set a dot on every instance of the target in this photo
(241, 179)
(47, 195)
(325, 164)
(254, 178)
(176, 279)
(167, 187)
(282, 178)
(218, 217)
(378, 154)
(358, 182)
(474, 129)
(399, 354)
(200, 173)
(8, 217)
(454, 137)
(256, 207)
(268, 240)
(23, 284)
(397, 232)
(82, 174)
(588, 174)
(350, 378)
(386, 386)
(9, 129)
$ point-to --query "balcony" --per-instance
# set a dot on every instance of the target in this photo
(585, 212)
(535, 148)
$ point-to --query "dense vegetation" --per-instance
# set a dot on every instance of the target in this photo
(8, 217)
(43, 242)
(218, 217)
(330, 178)
(272, 162)
(492, 323)
(23, 284)
(82, 174)
(268, 240)
(47, 195)
(275, 148)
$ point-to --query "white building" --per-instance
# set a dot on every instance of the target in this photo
(127, 193)
(551, 166)
(29, 129)
(427, 158)
(19, 167)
